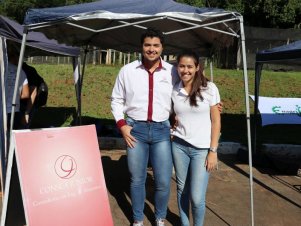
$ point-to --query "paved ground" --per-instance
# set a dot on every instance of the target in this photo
(277, 198)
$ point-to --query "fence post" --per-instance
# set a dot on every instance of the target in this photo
(100, 56)
(120, 58)
(108, 58)
(129, 58)
(114, 57)
(94, 55)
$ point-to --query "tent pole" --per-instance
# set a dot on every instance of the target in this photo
(258, 68)
(81, 77)
(21, 58)
(3, 124)
(211, 71)
(247, 114)
(76, 75)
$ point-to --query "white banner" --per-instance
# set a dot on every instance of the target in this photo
(275, 110)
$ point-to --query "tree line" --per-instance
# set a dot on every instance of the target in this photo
(258, 13)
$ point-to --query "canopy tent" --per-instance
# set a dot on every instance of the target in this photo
(118, 25)
(37, 45)
(286, 54)
(289, 54)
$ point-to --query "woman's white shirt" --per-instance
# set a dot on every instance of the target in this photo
(194, 123)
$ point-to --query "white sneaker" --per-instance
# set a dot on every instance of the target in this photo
(138, 223)
(160, 222)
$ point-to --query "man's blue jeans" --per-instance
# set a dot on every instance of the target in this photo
(192, 180)
(153, 141)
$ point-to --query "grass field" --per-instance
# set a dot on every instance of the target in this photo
(99, 80)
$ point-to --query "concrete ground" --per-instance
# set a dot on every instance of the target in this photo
(277, 198)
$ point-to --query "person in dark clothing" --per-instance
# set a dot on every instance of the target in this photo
(28, 106)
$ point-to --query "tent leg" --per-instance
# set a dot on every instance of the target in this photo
(247, 115)
(258, 68)
(76, 74)
(3, 114)
(211, 70)
(21, 58)
(81, 78)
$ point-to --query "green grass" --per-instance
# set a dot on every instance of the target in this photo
(96, 91)
(99, 80)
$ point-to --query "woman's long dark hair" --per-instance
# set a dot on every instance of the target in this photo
(199, 81)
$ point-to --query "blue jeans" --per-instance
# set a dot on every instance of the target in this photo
(192, 180)
(153, 141)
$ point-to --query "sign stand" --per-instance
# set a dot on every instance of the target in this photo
(55, 177)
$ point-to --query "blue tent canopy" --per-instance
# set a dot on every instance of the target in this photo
(115, 24)
(286, 54)
(289, 54)
(37, 42)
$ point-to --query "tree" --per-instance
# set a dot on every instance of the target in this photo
(16, 9)
(197, 3)
(259, 13)
(273, 13)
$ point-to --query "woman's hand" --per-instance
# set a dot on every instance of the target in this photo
(211, 161)
(220, 107)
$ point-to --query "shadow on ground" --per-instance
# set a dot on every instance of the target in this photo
(234, 129)
(46, 117)
(265, 166)
(118, 184)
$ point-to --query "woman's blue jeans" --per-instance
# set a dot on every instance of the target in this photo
(153, 141)
(192, 180)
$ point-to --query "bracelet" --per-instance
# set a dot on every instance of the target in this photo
(213, 149)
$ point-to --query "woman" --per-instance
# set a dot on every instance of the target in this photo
(195, 138)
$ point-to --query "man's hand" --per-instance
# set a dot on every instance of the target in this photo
(128, 138)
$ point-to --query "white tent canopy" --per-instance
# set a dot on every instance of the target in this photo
(118, 25)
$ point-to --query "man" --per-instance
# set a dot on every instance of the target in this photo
(142, 92)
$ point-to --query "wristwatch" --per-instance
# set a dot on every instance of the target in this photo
(213, 149)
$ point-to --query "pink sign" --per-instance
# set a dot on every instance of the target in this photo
(61, 177)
